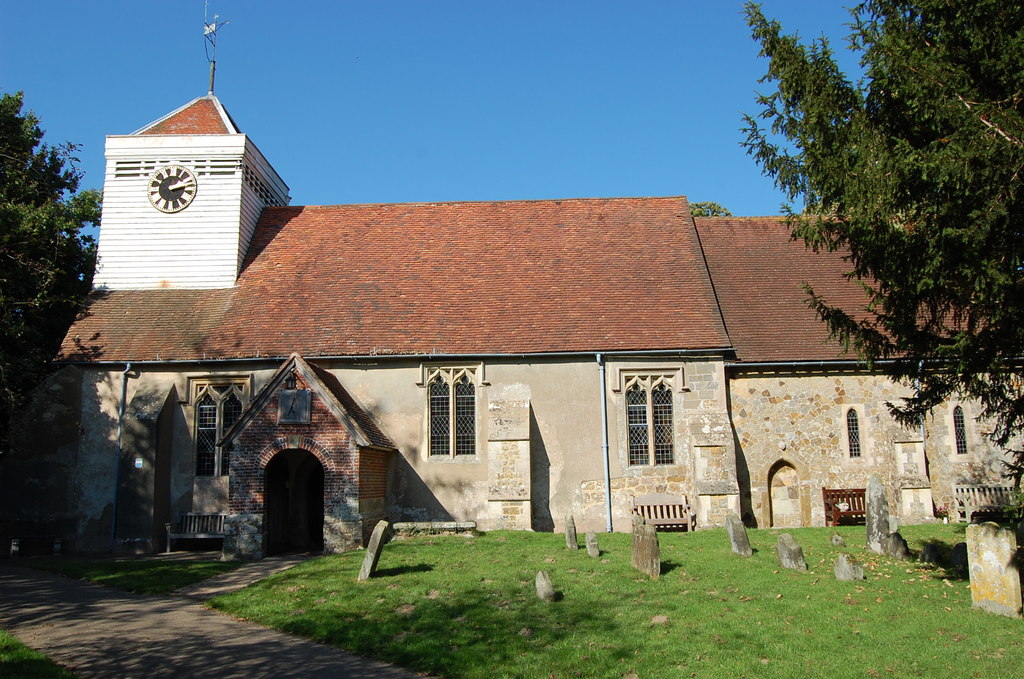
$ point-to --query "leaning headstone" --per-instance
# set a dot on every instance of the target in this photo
(570, 532)
(738, 539)
(877, 515)
(545, 590)
(791, 555)
(380, 536)
(848, 570)
(958, 556)
(638, 523)
(647, 551)
(837, 540)
(929, 553)
(995, 577)
(895, 546)
(592, 547)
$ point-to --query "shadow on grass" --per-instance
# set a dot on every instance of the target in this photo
(668, 566)
(402, 570)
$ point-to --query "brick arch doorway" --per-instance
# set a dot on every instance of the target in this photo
(293, 502)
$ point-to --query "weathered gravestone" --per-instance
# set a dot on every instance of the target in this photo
(958, 556)
(895, 546)
(791, 555)
(646, 550)
(994, 569)
(380, 536)
(592, 547)
(876, 515)
(837, 540)
(545, 590)
(570, 533)
(738, 539)
(848, 570)
(929, 553)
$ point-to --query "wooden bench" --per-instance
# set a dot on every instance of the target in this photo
(23, 545)
(972, 502)
(844, 503)
(196, 526)
(664, 511)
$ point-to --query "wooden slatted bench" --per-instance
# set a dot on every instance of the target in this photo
(981, 501)
(844, 503)
(664, 511)
(196, 526)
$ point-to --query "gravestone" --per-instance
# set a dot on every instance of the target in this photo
(738, 539)
(994, 569)
(837, 540)
(380, 536)
(544, 588)
(958, 556)
(848, 570)
(929, 553)
(646, 550)
(791, 555)
(877, 515)
(895, 546)
(571, 541)
(592, 547)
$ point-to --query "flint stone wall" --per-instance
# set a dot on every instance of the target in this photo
(800, 418)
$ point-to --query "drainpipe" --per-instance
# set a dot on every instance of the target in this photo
(604, 445)
(117, 459)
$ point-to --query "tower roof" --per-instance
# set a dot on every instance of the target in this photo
(202, 115)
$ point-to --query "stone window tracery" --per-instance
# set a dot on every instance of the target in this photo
(218, 405)
(649, 421)
(853, 433)
(452, 412)
(959, 431)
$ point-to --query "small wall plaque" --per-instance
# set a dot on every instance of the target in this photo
(293, 406)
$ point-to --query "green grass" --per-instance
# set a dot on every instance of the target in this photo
(18, 661)
(461, 607)
(141, 576)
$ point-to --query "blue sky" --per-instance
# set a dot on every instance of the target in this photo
(426, 100)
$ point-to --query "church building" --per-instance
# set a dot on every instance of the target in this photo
(309, 370)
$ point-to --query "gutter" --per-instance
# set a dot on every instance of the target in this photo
(433, 357)
(119, 452)
(604, 444)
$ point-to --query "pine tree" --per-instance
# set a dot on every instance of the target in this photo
(914, 169)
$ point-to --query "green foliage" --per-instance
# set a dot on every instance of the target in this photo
(465, 607)
(915, 170)
(142, 576)
(707, 208)
(46, 262)
(18, 660)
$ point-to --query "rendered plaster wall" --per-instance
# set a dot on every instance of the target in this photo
(564, 441)
(791, 441)
(37, 474)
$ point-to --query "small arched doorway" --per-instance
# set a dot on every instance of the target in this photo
(294, 503)
(784, 496)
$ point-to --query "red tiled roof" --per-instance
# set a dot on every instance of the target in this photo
(444, 278)
(201, 116)
(759, 273)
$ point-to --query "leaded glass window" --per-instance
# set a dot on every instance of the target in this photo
(217, 407)
(853, 432)
(649, 423)
(960, 430)
(452, 412)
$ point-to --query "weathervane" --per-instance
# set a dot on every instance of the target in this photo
(210, 29)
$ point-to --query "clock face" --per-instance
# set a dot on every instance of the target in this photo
(172, 188)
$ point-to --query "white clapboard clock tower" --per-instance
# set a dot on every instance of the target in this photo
(181, 198)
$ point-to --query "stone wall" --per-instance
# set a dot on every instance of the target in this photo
(791, 439)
